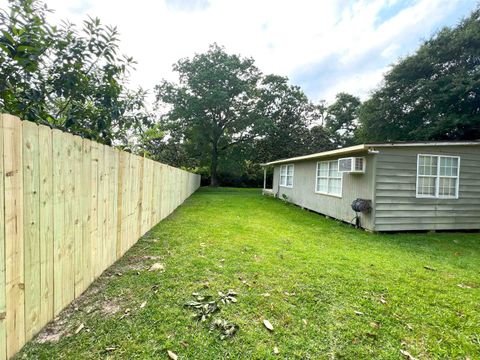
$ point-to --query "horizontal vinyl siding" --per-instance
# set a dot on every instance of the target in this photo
(396, 205)
(353, 186)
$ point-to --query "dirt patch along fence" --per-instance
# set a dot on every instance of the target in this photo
(69, 208)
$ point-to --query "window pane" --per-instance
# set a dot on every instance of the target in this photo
(283, 180)
(322, 185)
(427, 165)
(447, 187)
(334, 186)
(448, 166)
(333, 169)
(323, 169)
(290, 170)
(289, 180)
(283, 170)
(426, 186)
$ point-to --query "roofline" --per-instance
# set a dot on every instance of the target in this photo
(366, 147)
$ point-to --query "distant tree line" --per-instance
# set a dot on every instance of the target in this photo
(223, 117)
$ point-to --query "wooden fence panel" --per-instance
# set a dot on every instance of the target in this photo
(31, 229)
(68, 265)
(14, 249)
(3, 334)
(77, 216)
(86, 218)
(69, 208)
(46, 224)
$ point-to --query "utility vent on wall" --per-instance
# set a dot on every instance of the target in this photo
(355, 165)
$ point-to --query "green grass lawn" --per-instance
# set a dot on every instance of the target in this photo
(329, 290)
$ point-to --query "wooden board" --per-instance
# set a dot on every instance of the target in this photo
(58, 219)
(85, 203)
(68, 265)
(46, 224)
(79, 265)
(14, 249)
(31, 228)
(3, 334)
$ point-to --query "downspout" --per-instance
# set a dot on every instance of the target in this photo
(264, 178)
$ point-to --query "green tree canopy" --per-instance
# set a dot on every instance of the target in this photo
(213, 105)
(433, 94)
(66, 77)
(342, 119)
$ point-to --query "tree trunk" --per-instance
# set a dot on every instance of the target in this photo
(213, 167)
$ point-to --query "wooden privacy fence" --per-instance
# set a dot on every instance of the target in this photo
(69, 208)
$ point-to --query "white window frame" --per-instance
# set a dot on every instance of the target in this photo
(437, 178)
(286, 175)
(328, 179)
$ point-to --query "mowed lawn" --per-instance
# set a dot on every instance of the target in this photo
(329, 290)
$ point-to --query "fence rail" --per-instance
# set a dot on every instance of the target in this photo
(69, 208)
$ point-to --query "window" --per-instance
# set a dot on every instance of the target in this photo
(329, 179)
(286, 175)
(437, 176)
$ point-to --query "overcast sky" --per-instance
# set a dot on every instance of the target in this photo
(325, 46)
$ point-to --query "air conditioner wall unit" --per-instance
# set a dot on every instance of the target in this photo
(354, 165)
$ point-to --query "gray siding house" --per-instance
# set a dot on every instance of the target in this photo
(410, 186)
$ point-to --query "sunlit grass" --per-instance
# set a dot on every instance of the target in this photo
(329, 290)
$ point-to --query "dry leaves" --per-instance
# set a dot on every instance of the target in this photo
(142, 305)
(226, 328)
(407, 355)
(275, 350)
(172, 355)
(268, 324)
(464, 286)
(156, 267)
(82, 325)
(359, 313)
(229, 297)
(426, 267)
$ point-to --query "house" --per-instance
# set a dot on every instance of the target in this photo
(402, 186)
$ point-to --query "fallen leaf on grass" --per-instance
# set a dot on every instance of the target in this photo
(383, 301)
(305, 321)
(375, 325)
(359, 313)
(275, 350)
(407, 355)
(464, 286)
(111, 348)
(82, 325)
(142, 305)
(268, 325)
(229, 297)
(409, 327)
(172, 355)
(157, 266)
(266, 294)
(426, 267)
(227, 329)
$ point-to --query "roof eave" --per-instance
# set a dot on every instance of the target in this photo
(343, 151)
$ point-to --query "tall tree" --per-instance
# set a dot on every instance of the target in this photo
(433, 94)
(66, 77)
(342, 119)
(286, 114)
(213, 105)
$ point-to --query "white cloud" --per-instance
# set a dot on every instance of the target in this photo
(284, 37)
